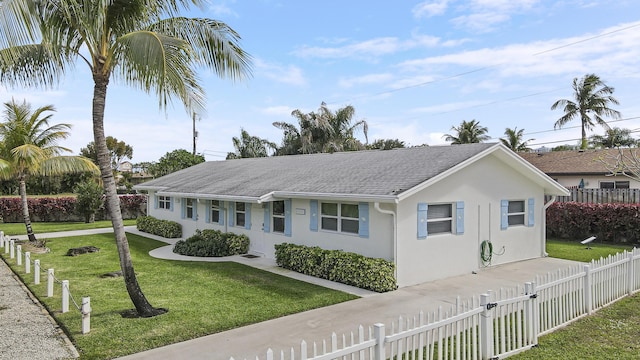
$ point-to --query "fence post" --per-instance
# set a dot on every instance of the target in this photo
(630, 274)
(86, 315)
(12, 250)
(65, 296)
(486, 328)
(50, 279)
(36, 271)
(588, 301)
(378, 333)
(19, 255)
(1, 238)
(27, 262)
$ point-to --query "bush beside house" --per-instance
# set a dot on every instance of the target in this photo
(339, 266)
(214, 243)
(164, 228)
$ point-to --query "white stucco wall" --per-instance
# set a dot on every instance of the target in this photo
(481, 186)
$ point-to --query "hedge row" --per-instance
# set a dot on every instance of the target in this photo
(211, 242)
(339, 266)
(165, 228)
(609, 222)
(63, 208)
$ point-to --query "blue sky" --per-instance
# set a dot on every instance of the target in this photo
(411, 69)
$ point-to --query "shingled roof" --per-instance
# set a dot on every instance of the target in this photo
(572, 162)
(360, 174)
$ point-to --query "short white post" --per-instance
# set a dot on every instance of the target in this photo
(486, 328)
(27, 262)
(6, 245)
(378, 333)
(86, 315)
(36, 271)
(65, 296)
(588, 300)
(50, 279)
(19, 255)
(12, 253)
(1, 238)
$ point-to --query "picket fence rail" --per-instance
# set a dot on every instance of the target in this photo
(602, 196)
(494, 325)
(14, 251)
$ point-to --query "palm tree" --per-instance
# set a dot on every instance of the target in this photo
(591, 97)
(468, 132)
(614, 137)
(28, 146)
(141, 43)
(248, 146)
(514, 140)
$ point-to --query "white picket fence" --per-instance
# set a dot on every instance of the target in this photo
(492, 326)
(14, 251)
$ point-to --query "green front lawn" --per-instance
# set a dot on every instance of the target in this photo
(574, 250)
(202, 298)
(46, 227)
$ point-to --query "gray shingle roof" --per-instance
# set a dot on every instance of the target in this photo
(375, 173)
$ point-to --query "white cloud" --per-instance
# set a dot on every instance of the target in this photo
(485, 15)
(430, 8)
(278, 110)
(365, 80)
(289, 74)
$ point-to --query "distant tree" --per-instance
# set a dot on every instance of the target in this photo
(514, 139)
(468, 132)
(174, 161)
(248, 146)
(29, 146)
(614, 137)
(88, 199)
(118, 152)
(591, 100)
(386, 144)
(565, 147)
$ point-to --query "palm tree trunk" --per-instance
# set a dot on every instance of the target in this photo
(25, 211)
(142, 305)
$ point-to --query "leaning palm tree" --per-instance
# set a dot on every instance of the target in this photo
(468, 132)
(514, 140)
(141, 43)
(591, 97)
(29, 146)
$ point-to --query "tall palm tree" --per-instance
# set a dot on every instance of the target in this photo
(514, 140)
(248, 146)
(591, 97)
(141, 43)
(29, 146)
(468, 132)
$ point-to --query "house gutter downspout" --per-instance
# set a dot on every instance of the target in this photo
(544, 224)
(376, 205)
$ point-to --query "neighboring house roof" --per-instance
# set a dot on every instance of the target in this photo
(375, 175)
(573, 162)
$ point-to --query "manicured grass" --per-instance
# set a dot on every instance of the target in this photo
(45, 227)
(202, 298)
(574, 250)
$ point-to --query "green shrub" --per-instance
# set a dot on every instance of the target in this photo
(164, 228)
(339, 266)
(212, 243)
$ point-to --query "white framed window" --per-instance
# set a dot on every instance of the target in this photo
(516, 212)
(440, 219)
(278, 216)
(214, 214)
(614, 184)
(241, 214)
(189, 208)
(164, 202)
(340, 217)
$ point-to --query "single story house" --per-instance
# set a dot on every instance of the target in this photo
(427, 209)
(583, 168)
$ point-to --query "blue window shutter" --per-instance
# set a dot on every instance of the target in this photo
(313, 215)
(266, 226)
(247, 216)
(155, 201)
(232, 212)
(171, 203)
(183, 208)
(460, 217)
(287, 217)
(422, 220)
(531, 209)
(504, 214)
(363, 226)
(221, 217)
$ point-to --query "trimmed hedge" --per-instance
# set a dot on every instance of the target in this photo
(616, 223)
(164, 228)
(214, 243)
(339, 266)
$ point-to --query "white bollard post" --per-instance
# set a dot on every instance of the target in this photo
(65, 296)
(27, 262)
(12, 250)
(6, 245)
(1, 238)
(19, 256)
(50, 283)
(86, 315)
(36, 271)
